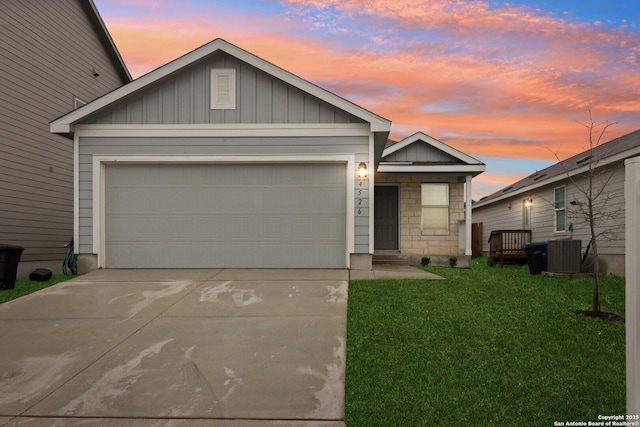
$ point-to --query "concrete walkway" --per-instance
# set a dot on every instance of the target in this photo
(143, 348)
(392, 271)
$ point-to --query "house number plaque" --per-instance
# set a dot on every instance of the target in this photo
(362, 194)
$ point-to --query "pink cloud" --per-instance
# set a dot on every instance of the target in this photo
(475, 90)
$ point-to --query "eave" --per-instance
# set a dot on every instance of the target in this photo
(472, 170)
(559, 177)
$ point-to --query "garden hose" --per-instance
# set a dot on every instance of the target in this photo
(70, 261)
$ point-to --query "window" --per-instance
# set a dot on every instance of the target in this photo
(559, 206)
(526, 213)
(77, 103)
(435, 207)
(223, 89)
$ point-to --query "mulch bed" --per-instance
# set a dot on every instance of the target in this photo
(601, 315)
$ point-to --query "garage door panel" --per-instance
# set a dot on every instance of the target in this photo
(248, 215)
(249, 254)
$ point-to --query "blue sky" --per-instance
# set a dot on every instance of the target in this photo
(509, 83)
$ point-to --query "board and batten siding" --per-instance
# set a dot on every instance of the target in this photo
(260, 98)
(421, 153)
(48, 53)
(220, 146)
(612, 213)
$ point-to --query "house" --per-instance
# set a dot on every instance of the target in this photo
(222, 159)
(54, 56)
(549, 202)
(420, 199)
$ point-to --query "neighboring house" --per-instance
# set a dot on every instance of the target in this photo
(222, 159)
(420, 199)
(548, 202)
(54, 56)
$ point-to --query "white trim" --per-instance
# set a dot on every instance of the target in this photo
(423, 206)
(632, 275)
(76, 194)
(100, 161)
(526, 213)
(420, 136)
(556, 210)
(372, 185)
(66, 123)
(455, 169)
(468, 218)
(232, 130)
(351, 206)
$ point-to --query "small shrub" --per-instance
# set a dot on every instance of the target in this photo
(453, 261)
(426, 260)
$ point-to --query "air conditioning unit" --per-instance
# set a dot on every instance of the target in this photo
(564, 256)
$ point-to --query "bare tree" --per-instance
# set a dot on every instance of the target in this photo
(595, 206)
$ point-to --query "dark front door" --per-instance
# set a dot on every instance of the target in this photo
(386, 217)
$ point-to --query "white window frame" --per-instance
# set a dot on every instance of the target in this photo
(559, 210)
(526, 213)
(447, 206)
(223, 98)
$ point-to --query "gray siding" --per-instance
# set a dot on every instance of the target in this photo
(498, 215)
(48, 50)
(185, 99)
(218, 146)
(420, 152)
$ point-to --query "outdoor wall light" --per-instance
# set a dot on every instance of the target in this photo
(528, 203)
(362, 170)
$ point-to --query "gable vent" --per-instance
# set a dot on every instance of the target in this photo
(223, 89)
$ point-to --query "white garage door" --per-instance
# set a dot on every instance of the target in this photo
(225, 216)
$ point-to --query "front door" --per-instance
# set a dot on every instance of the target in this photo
(386, 217)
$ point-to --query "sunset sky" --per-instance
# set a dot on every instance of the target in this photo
(507, 83)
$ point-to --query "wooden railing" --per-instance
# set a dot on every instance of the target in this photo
(507, 245)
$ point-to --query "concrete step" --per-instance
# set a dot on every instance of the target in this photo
(390, 259)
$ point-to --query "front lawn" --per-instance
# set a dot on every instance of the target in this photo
(487, 346)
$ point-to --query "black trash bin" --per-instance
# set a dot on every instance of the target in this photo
(9, 259)
(537, 255)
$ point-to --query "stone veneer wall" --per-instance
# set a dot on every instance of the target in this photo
(414, 241)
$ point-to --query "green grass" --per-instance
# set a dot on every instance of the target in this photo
(26, 286)
(487, 346)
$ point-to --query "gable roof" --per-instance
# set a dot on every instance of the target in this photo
(102, 32)
(617, 149)
(65, 123)
(433, 156)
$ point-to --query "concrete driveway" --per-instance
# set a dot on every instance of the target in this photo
(237, 348)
